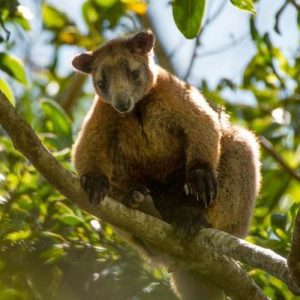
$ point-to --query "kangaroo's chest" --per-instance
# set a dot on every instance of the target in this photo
(142, 150)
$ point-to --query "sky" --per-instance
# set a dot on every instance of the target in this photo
(231, 24)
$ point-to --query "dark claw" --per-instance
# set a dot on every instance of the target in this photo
(202, 184)
(96, 186)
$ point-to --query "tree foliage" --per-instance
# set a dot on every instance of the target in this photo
(52, 250)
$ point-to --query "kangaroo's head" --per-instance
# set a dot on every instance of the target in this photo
(123, 69)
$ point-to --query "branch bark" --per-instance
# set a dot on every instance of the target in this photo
(294, 255)
(207, 251)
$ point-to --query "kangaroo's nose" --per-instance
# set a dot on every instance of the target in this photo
(122, 104)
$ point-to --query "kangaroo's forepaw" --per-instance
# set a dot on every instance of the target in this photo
(202, 184)
(96, 186)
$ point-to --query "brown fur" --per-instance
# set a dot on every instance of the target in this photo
(132, 152)
(169, 126)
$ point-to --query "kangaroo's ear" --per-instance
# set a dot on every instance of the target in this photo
(83, 62)
(142, 42)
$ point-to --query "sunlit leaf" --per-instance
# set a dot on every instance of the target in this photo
(246, 5)
(64, 209)
(7, 91)
(11, 294)
(89, 12)
(281, 234)
(139, 7)
(13, 66)
(71, 220)
(283, 62)
(54, 236)
(24, 23)
(53, 18)
(18, 235)
(188, 15)
(106, 3)
(53, 254)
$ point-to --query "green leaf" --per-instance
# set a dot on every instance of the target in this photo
(19, 235)
(60, 121)
(54, 236)
(13, 66)
(188, 15)
(281, 234)
(106, 3)
(89, 13)
(7, 91)
(71, 220)
(53, 254)
(24, 23)
(63, 209)
(11, 294)
(53, 18)
(246, 5)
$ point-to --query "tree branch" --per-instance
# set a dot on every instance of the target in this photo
(278, 15)
(73, 92)
(206, 252)
(269, 148)
(295, 4)
(294, 256)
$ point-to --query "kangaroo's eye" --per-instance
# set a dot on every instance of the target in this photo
(101, 84)
(135, 74)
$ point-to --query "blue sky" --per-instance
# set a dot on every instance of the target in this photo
(230, 25)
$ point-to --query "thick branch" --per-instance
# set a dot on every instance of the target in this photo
(160, 235)
(294, 256)
(252, 255)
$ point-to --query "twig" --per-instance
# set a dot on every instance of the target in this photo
(295, 4)
(5, 29)
(277, 16)
(198, 38)
(271, 62)
(269, 148)
(225, 47)
(179, 44)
